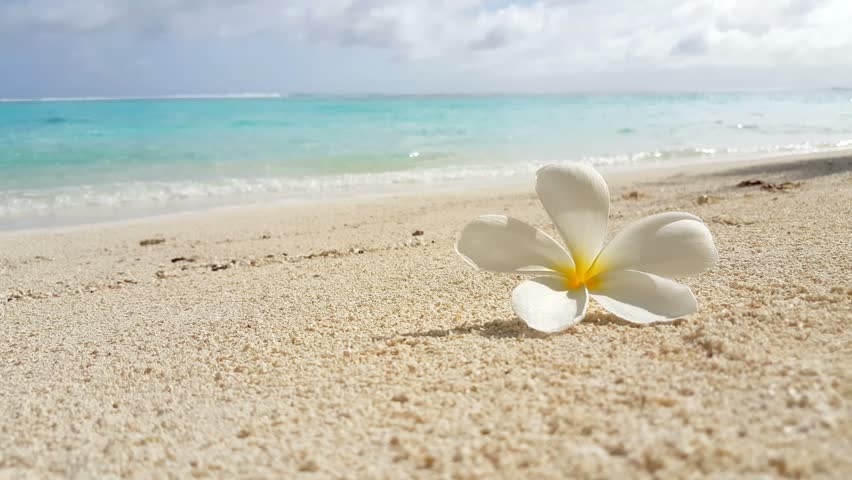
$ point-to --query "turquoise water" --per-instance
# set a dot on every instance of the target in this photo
(64, 162)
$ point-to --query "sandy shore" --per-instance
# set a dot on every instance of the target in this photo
(328, 341)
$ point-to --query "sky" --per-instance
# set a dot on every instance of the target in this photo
(54, 48)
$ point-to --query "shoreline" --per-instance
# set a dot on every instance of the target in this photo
(518, 181)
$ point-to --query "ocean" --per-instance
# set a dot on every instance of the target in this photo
(91, 160)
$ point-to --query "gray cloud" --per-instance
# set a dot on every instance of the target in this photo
(540, 35)
(694, 44)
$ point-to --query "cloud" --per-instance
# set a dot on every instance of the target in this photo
(694, 44)
(539, 37)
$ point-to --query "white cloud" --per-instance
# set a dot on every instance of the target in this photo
(538, 37)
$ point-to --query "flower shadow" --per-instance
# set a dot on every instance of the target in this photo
(604, 319)
(515, 328)
(511, 328)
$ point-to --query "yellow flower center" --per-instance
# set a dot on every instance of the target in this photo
(582, 274)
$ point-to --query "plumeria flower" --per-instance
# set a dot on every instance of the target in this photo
(631, 276)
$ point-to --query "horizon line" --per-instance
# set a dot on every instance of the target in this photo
(278, 95)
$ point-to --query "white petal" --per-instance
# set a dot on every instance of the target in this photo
(667, 244)
(640, 297)
(547, 305)
(577, 199)
(498, 243)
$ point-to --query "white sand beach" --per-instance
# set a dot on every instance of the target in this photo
(329, 341)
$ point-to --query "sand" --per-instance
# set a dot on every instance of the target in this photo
(328, 341)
